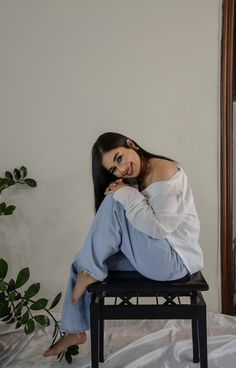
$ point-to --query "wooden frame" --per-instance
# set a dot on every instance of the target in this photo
(226, 236)
(234, 57)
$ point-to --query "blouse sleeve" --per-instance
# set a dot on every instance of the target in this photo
(161, 210)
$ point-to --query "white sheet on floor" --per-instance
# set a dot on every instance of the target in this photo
(128, 344)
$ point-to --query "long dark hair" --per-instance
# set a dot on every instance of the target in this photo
(102, 177)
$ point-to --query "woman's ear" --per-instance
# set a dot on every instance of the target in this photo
(131, 144)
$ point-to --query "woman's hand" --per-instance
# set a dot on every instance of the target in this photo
(114, 186)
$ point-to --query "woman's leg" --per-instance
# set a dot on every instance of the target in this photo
(76, 316)
(65, 342)
(75, 319)
(119, 262)
(104, 240)
(110, 233)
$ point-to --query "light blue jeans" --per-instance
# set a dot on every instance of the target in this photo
(114, 243)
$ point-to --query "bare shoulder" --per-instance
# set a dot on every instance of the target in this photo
(162, 170)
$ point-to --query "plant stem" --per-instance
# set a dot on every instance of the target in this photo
(28, 308)
(55, 321)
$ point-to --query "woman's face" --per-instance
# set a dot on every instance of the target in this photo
(122, 162)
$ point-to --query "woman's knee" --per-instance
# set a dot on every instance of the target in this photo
(109, 204)
(106, 203)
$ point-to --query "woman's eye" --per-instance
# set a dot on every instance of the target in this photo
(119, 158)
(113, 170)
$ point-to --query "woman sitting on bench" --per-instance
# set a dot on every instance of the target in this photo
(145, 221)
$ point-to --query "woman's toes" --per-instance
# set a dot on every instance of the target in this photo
(83, 281)
(65, 342)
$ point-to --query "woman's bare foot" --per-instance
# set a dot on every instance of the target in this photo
(65, 342)
(83, 281)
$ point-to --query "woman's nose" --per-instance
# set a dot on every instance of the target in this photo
(122, 168)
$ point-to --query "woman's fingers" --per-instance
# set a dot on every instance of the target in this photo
(113, 183)
(111, 186)
(114, 186)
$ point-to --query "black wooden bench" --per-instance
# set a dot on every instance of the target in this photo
(126, 287)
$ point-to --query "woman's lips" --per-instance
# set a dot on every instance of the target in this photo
(130, 171)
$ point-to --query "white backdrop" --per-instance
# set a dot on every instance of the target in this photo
(72, 69)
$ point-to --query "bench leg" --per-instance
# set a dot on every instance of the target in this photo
(101, 341)
(195, 341)
(94, 333)
(202, 331)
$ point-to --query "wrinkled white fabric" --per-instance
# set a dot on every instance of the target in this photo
(128, 344)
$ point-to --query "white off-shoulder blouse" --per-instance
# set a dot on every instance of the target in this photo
(166, 209)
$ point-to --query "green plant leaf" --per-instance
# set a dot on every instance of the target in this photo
(18, 296)
(3, 268)
(22, 277)
(32, 291)
(9, 175)
(56, 300)
(2, 207)
(12, 296)
(4, 312)
(2, 286)
(40, 304)
(23, 171)
(4, 309)
(16, 173)
(9, 210)
(29, 327)
(7, 317)
(42, 320)
(11, 320)
(18, 325)
(5, 182)
(31, 182)
(68, 357)
(10, 182)
(19, 308)
(11, 285)
(73, 349)
(25, 318)
(2, 187)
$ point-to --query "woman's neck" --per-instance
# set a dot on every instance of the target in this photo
(144, 173)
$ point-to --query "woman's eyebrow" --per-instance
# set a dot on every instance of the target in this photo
(114, 159)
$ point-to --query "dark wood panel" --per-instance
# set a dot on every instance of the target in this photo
(227, 156)
(234, 59)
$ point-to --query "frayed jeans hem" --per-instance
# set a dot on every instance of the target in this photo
(74, 332)
(98, 278)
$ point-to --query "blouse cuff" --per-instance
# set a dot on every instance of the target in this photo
(127, 196)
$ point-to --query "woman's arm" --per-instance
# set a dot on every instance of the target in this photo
(170, 202)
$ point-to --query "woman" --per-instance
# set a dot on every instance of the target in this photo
(145, 221)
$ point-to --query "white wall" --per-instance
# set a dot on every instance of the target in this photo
(71, 70)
